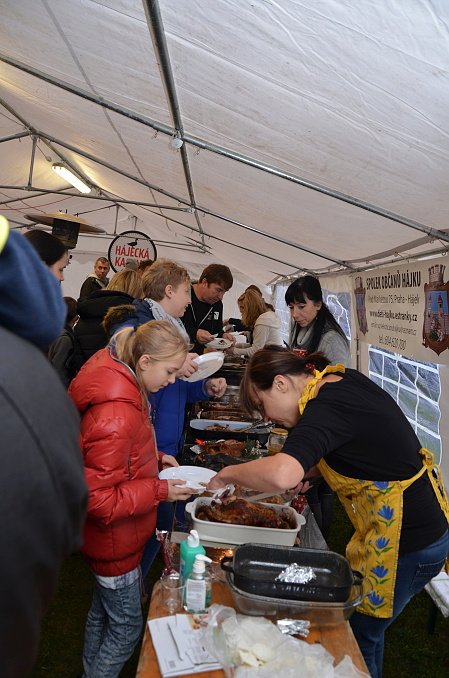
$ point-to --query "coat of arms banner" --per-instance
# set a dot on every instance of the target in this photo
(405, 309)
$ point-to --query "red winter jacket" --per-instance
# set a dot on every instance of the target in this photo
(121, 465)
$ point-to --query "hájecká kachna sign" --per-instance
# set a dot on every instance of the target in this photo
(130, 246)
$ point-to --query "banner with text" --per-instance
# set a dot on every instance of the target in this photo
(405, 309)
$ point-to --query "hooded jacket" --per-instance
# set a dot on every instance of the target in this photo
(121, 464)
(267, 330)
(89, 333)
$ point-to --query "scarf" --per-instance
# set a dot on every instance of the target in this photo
(161, 314)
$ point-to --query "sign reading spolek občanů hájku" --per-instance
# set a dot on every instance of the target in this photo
(405, 309)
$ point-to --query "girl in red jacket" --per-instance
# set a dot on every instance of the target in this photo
(121, 464)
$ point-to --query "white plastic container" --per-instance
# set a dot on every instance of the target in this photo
(198, 586)
(228, 533)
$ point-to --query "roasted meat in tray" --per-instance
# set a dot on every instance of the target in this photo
(231, 447)
(241, 512)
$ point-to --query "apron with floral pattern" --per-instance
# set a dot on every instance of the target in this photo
(375, 511)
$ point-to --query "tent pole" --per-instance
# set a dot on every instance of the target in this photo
(33, 153)
(103, 198)
(12, 137)
(156, 28)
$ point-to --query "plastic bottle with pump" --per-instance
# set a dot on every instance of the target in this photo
(190, 547)
(198, 586)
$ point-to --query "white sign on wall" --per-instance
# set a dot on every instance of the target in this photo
(405, 309)
(130, 246)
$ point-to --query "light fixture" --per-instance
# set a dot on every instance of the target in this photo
(69, 176)
(176, 143)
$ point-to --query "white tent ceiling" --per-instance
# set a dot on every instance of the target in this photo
(315, 132)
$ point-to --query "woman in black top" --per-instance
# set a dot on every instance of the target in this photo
(367, 451)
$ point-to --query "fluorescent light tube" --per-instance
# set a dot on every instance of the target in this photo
(69, 176)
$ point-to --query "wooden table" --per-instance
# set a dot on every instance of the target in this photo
(338, 640)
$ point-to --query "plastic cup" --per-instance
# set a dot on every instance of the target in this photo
(172, 592)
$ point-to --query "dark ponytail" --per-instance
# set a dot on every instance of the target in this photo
(269, 362)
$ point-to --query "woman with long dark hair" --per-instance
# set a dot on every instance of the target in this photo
(364, 446)
(314, 328)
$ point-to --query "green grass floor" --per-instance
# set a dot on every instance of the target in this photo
(410, 652)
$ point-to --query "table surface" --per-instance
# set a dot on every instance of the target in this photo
(338, 639)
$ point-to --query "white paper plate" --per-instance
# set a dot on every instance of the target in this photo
(208, 364)
(219, 343)
(196, 477)
(202, 424)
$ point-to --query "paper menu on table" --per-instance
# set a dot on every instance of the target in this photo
(178, 646)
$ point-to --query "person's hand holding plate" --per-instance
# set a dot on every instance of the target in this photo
(204, 337)
(189, 366)
(168, 461)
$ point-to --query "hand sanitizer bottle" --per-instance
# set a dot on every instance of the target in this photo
(198, 586)
(190, 547)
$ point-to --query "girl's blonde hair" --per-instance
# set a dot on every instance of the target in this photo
(253, 307)
(126, 281)
(162, 273)
(157, 338)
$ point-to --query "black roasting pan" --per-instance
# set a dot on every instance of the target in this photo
(256, 566)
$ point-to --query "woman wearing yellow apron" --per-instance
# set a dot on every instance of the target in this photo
(363, 445)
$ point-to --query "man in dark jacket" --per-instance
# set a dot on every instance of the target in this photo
(96, 280)
(203, 318)
(42, 489)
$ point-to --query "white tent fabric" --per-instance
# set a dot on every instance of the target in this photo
(315, 133)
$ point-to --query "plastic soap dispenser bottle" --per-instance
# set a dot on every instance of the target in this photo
(190, 547)
(198, 586)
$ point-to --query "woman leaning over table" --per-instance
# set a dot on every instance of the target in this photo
(264, 324)
(121, 466)
(367, 451)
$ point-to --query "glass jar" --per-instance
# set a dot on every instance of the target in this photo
(276, 440)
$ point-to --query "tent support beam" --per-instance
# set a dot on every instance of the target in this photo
(12, 137)
(201, 209)
(31, 189)
(33, 153)
(214, 148)
(78, 151)
(156, 28)
(108, 165)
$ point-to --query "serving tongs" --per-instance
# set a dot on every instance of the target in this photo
(222, 493)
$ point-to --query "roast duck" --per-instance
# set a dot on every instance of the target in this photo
(231, 447)
(241, 512)
(222, 453)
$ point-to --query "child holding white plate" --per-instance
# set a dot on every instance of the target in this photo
(121, 466)
(166, 286)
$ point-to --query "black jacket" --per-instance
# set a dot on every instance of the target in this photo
(43, 496)
(202, 316)
(89, 286)
(89, 334)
